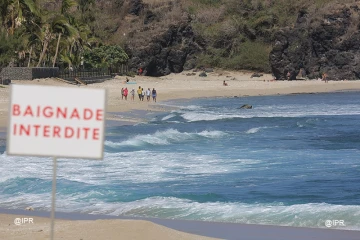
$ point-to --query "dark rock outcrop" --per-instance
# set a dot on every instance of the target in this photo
(328, 43)
(149, 17)
(168, 52)
(135, 7)
(246, 106)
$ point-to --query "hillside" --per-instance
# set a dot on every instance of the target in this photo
(278, 36)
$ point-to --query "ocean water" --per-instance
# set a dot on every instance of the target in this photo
(292, 160)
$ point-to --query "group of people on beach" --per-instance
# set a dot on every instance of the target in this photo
(141, 93)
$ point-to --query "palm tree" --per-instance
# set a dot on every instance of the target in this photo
(84, 5)
(45, 35)
(60, 26)
(63, 25)
(19, 11)
(55, 26)
(66, 5)
(4, 12)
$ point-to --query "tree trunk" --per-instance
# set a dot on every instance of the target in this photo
(30, 56)
(43, 53)
(12, 23)
(71, 47)
(57, 50)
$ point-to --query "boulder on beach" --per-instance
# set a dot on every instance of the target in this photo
(256, 75)
(203, 74)
(190, 74)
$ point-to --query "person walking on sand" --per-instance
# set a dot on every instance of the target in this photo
(154, 95)
(148, 92)
(224, 83)
(122, 93)
(132, 92)
(142, 94)
(139, 92)
(125, 93)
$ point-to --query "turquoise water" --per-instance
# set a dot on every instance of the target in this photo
(291, 160)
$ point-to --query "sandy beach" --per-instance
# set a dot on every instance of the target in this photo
(94, 227)
(39, 229)
(175, 86)
(182, 86)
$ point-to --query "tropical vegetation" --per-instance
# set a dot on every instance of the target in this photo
(34, 33)
(236, 34)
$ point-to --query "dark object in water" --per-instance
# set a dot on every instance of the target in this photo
(246, 106)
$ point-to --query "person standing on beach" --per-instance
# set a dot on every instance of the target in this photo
(142, 94)
(139, 92)
(148, 92)
(125, 93)
(132, 94)
(154, 95)
(324, 77)
(122, 93)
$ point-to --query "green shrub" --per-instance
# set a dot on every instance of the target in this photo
(130, 74)
(8, 45)
(207, 2)
(249, 55)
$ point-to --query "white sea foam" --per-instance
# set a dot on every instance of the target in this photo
(257, 129)
(212, 134)
(164, 138)
(311, 215)
(132, 167)
(301, 215)
(168, 117)
(196, 116)
(288, 111)
(192, 107)
(254, 130)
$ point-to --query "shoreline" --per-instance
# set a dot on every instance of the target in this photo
(123, 121)
(175, 87)
(180, 229)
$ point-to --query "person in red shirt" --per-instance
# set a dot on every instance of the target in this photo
(140, 71)
(126, 93)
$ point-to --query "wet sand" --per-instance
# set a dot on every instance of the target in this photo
(88, 227)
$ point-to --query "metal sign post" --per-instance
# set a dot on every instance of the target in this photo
(53, 199)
